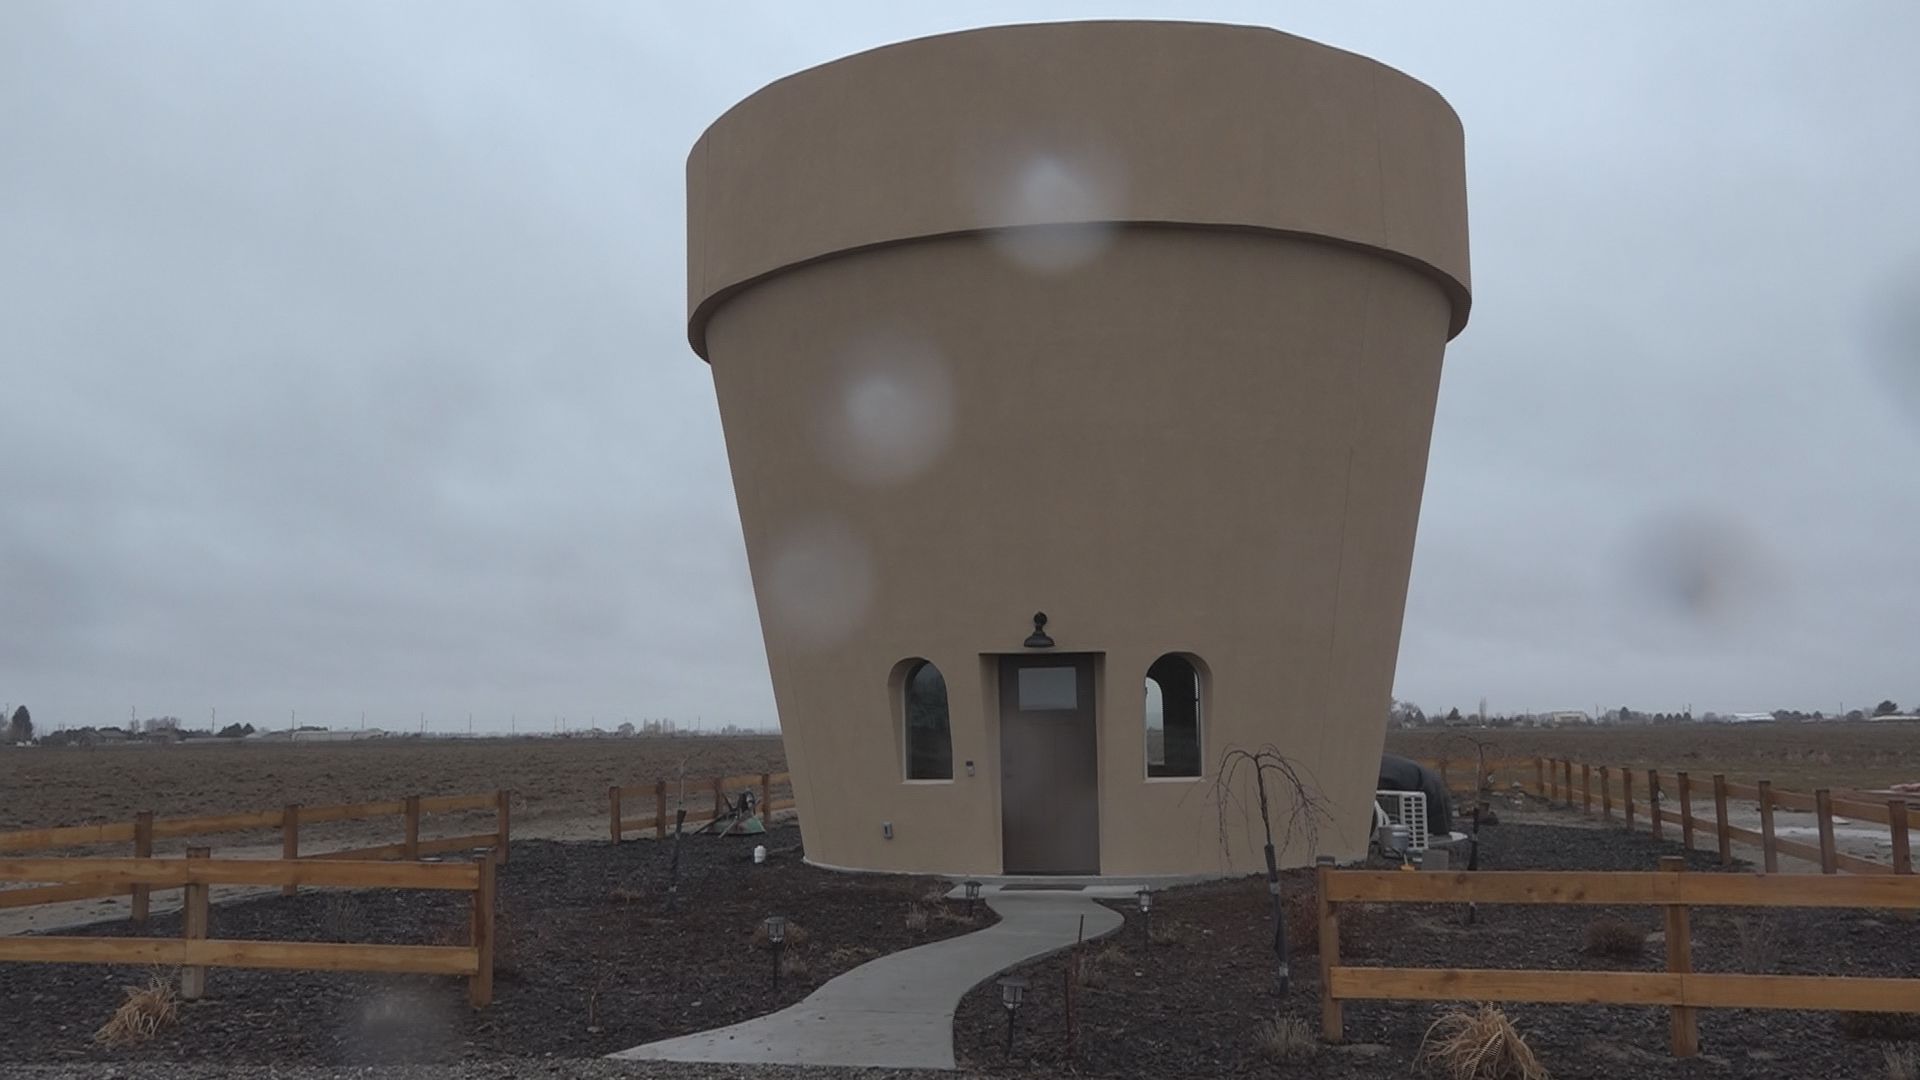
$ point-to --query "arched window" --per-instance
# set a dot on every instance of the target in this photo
(929, 737)
(1173, 717)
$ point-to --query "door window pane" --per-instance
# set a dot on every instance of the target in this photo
(1043, 688)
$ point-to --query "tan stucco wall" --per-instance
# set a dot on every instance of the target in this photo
(1207, 435)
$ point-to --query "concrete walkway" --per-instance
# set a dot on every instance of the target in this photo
(897, 1011)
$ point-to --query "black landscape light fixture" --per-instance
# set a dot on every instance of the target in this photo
(973, 893)
(776, 927)
(1039, 639)
(1013, 990)
(1145, 897)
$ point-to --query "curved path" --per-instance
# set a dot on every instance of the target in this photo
(897, 1011)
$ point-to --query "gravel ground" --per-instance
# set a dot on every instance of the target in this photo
(589, 962)
(1192, 1003)
(588, 1069)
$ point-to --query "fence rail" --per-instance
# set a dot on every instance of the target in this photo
(145, 828)
(1679, 987)
(194, 951)
(1553, 781)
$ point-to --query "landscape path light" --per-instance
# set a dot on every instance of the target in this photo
(776, 927)
(1145, 896)
(973, 893)
(1013, 990)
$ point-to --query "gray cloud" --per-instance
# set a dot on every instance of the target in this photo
(342, 362)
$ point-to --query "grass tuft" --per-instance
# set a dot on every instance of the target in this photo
(1480, 1044)
(1903, 1061)
(146, 1011)
(1285, 1039)
(916, 918)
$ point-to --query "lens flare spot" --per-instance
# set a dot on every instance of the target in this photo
(820, 582)
(889, 415)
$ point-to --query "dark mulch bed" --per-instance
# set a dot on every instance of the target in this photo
(1191, 1003)
(588, 961)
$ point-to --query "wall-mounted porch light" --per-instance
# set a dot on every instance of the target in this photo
(1039, 639)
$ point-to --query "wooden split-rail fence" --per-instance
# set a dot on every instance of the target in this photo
(194, 951)
(145, 828)
(1658, 804)
(1679, 987)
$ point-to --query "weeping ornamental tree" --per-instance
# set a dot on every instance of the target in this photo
(1290, 810)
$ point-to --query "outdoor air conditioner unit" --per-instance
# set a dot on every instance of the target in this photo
(1407, 810)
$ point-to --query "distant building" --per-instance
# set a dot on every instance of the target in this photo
(1746, 718)
(1564, 718)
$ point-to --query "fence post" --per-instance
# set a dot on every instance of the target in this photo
(766, 798)
(290, 840)
(480, 985)
(1653, 801)
(1897, 826)
(613, 813)
(1823, 806)
(503, 819)
(1331, 1029)
(660, 810)
(142, 849)
(1686, 810)
(1720, 826)
(1553, 781)
(1539, 776)
(719, 799)
(193, 921)
(411, 844)
(1586, 789)
(1566, 767)
(1626, 795)
(1685, 1027)
(1606, 794)
(1769, 858)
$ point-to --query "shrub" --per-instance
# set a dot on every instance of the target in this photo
(1480, 1044)
(143, 1014)
(793, 965)
(1167, 934)
(851, 956)
(1285, 1039)
(1615, 938)
(1903, 1061)
(916, 918)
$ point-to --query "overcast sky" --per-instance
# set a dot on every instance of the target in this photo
(343, 365)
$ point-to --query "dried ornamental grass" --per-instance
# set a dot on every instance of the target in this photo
(1285, 1039)
(1480, 1044)
(143, 1014)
